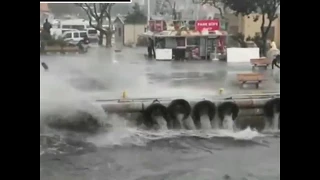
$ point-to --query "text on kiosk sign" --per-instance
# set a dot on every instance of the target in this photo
(210, 25)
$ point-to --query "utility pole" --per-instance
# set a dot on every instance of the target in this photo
(148, 1)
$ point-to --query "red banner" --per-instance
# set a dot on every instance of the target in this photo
(210, 25)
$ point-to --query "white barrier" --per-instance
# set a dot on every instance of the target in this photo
(242, 54)
(164, 54)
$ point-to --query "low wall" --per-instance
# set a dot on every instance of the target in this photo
(242, 55)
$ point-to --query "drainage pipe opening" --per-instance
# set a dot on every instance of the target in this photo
(228, 109)
(178, 111)
(203, 109)
(272, 112)
(155, 116)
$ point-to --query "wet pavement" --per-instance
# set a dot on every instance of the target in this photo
(103, 73)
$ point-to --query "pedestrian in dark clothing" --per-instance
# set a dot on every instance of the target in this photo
(47, 26)
(276, 62)
(151, 51)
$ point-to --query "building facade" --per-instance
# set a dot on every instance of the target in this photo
(247, 26)
(127, 34)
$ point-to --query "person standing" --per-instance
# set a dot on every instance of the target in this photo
(47, 26)
(151, 51)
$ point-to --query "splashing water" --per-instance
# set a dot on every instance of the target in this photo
(272, 126)
(132, 136)
(227, 122)
(122, 135)
(246, 134)
(161, 122)
(190, 124)
(215, 124)
(205, 122)
(275, 122)
(179, 119)
(57, 97)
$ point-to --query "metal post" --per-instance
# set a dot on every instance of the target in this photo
(148, 1)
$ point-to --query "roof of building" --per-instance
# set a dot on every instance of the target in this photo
(120, 18)
(186, 33)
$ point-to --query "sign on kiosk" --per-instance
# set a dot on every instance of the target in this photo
(210, 25)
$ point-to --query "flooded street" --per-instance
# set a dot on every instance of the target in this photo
(103, 73)
(126, 153)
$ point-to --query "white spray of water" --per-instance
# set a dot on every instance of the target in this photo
(205, 122)
(189, 123)
(245, 134)
(127, 136)
(179, 119)
(272, 125)
(162, 122)
(275, 122)
(59, 97)
(215, 123)
(227, 122)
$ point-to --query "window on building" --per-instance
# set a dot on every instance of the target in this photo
(119, 32)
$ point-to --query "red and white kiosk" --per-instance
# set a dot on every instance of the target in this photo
(201, 39)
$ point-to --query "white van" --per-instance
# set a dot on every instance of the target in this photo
(73, 37)
(56, 33)
(93, 35)
(79, 24)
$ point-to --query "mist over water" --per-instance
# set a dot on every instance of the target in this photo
(60, 101)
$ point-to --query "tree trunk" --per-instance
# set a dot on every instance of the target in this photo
(108, 39)
(109, 33)
(100, 42)
(263, 46)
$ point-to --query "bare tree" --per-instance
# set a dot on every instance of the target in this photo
(218, 4)
(266, 10)
(167, 7)
(98, 12)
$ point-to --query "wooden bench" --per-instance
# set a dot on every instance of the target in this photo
(250, 78)
(260, 62)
